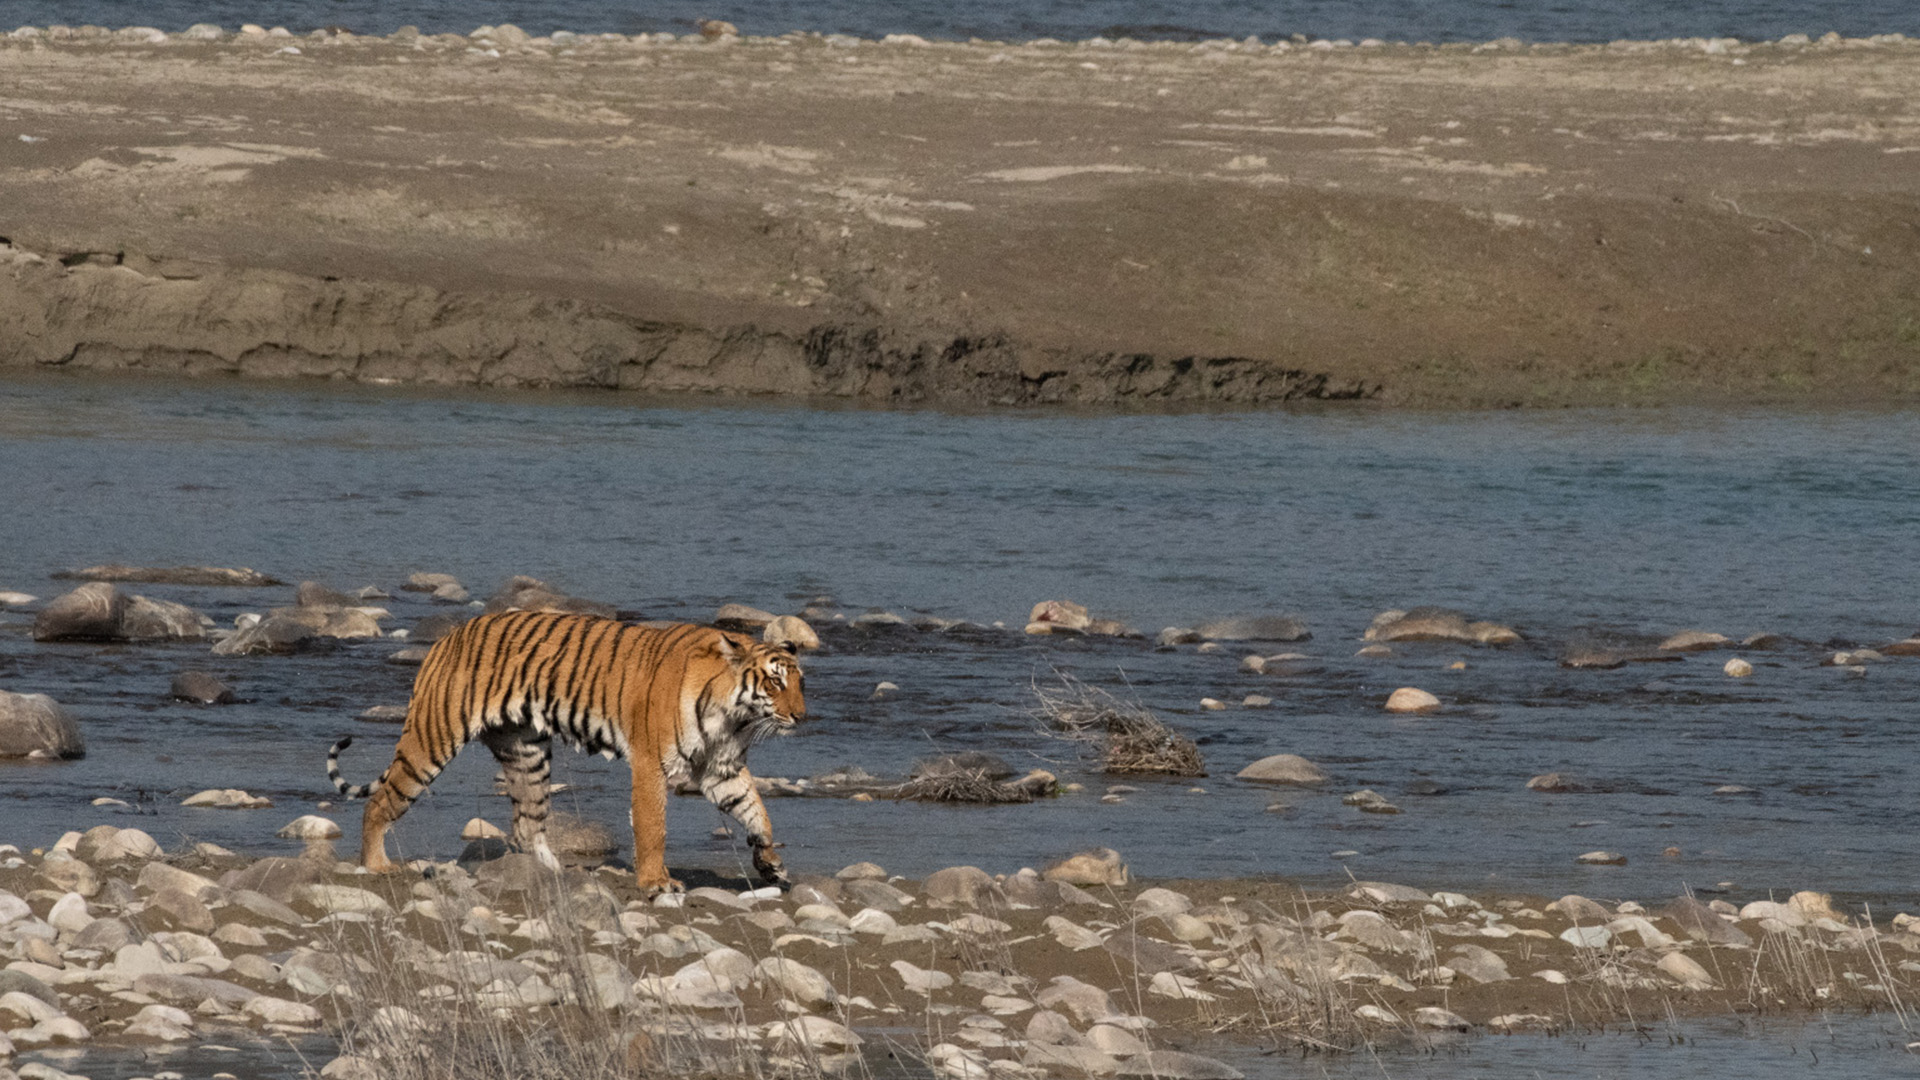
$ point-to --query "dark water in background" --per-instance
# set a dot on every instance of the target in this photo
(1013, 20)
(1561, 524)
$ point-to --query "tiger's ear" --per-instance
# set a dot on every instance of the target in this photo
(789, 647)
(729, 650)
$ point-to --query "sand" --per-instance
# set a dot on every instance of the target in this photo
(974, 224)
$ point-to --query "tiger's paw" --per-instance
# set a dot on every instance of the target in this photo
(772, 871)
(654, 888)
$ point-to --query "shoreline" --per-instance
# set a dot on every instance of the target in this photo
(1020, 967)
(213, 32)
(1178, 225)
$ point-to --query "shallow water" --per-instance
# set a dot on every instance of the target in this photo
(1015, 20)
(1564, 525)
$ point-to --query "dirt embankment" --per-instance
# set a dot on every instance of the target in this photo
(973, 224)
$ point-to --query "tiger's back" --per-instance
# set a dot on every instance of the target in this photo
(667, 699)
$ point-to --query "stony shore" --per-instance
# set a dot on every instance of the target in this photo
(1099, 222)
(1074, 971)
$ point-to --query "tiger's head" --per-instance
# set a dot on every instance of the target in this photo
(769, 699)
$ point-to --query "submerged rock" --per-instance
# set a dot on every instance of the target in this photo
(1695, 641)
(1285, 769)
(198, 686)
(1411, 699)
(1254, 628)
(523, 593)
(173, 575)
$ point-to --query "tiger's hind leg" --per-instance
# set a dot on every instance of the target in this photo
(413, 768)
(527, 762)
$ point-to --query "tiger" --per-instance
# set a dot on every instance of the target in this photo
(677, 699)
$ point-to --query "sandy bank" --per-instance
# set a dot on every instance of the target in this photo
(973, 224)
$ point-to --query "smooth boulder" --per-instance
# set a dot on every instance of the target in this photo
(36, 726)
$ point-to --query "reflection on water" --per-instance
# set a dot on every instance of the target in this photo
(1564, 525)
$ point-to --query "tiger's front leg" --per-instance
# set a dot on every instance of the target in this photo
(733, 792)
(650, 829)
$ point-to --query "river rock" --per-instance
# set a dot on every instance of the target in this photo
(285, 629)
(920, 980)
(1702, 923)
(813, 1032)
(1048, 1058)
(1254, 628)
(173, 575)
(193, 989)
(1580, 909)
(1440, 1019)
(36, 726)
(147, 619)
(92, 612)
(1478, 963)
(523, 593)
(877, 894)
(227, 799)
(1059, 615)
(1737, 668)
(69, 873)
(156, 876)
(1176, 1065)
(796, 981)
(1383, 892)
(1160, 903)
(1086, 1002)
(959, 886)
(309, 827)
(198, 686)
(1695, 641)
(181, 910)
(164, 1023)
(434, 627)
(1117, 1041)
(741, 617)
(1685, 970)
(276, 879)
(1101, 867)
(70, 914)
(330, 899)
(107, 844)
(272, 1010)
(1411, 699)
(1285, 769)
(1602, 858)
(790, 630)
(15, 981)
(428, 582)
(1419, 624)
(1177, 635)
(314, 594)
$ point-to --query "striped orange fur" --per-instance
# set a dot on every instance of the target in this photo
(675, 699)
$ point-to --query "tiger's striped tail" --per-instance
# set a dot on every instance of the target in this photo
(340, 782)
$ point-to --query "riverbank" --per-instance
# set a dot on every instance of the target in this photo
(1096, 223)
(1071, 972)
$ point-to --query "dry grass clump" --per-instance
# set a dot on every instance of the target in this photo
(962, 786)
(438, 1003)
(1132, 739)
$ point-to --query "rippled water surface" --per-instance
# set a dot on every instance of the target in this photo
(1568, 526)
(1406, 20)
